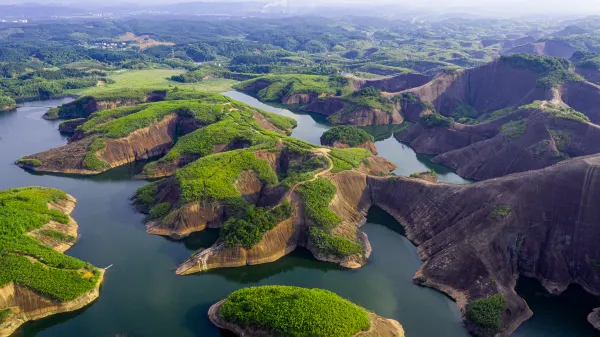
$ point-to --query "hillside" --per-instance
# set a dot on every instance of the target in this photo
(516, 114)
(111, 138)
(344, 100)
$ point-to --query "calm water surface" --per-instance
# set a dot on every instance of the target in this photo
(142, 296)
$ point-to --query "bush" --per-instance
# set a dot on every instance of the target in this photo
(347, 159)
(4, 314)
(333, 245)
(317, 195)
(160, 210)
(487, 312)
(6, 103)
(514, 129)
(501, 211)
(91, 160)
(32, 162)
(295, 312)
(553, 71)
(350, 135)
(60, 236)
(248, 230)
(436, 120)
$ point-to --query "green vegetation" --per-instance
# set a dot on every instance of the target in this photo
(4, 315)
(158, 79)
(276, 87)
(464, 113)
(562, 139)
(7, 103)
(249, 229)
(213, 177)
(28, 263)
(514, 129)
(420, 174)
(60, 236)
(295, 312)
(333, 245)
(487, 312)
(160, 210)
(281, 122)
(554, 71)
(91, 160)
(347, 159)
(501, 211)
(30, 162)
(146, 195)
(436, 120)
(350, 135)
(317, 195)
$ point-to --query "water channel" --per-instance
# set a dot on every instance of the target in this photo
(142, 296)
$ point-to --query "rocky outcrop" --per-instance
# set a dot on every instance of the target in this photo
(70, 125)
(141, 144)
(366, 145)
(86, 105)
(594, 318)
(554, 48)
(488, 88)
(483, 151)
(299, 98)
(343, 112)
(477, 239)
(27, 305)
(380, 327)
(583, 97)
(394, 84)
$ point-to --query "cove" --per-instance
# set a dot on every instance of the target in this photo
(142, 296)
(311, 126)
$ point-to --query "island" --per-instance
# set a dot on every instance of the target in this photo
(294, 311)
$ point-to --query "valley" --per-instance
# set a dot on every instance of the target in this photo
(186, 175)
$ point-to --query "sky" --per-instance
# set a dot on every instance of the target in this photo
(485, 7)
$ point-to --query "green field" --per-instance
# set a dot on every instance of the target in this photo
(157, 78)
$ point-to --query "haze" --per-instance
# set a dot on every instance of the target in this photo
(477, 7)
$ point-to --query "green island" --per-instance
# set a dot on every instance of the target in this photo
(346, 134)
(315, 312)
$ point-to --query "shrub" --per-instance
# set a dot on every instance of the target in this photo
(501, 211)
(334, 245)
(147, 193)
(514, 129)
(346, 159)
(91, 160)
(436, 120)
(248, 230)
(317, 195)
(4, 314)
(30, 162)
(350, 135)
(487, 312)
(6, 103)
(160, 210)
(60, 236)
(295, 312)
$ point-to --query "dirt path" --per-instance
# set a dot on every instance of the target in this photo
(323, 151)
